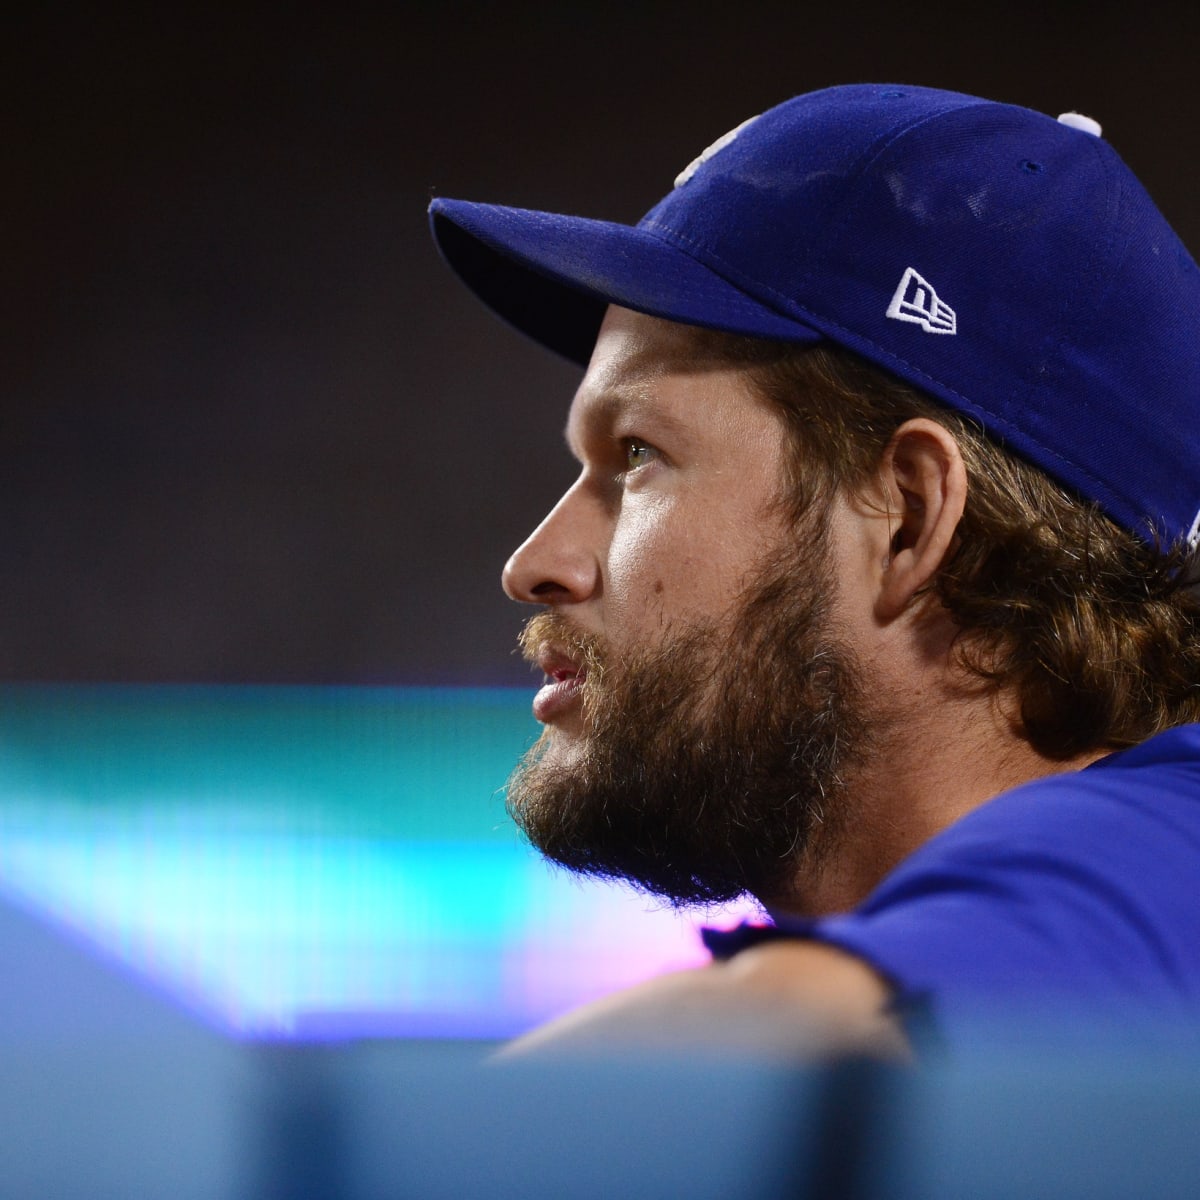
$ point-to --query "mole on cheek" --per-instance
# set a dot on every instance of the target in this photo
(658, 587)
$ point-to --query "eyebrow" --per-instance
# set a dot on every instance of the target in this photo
(627, 400)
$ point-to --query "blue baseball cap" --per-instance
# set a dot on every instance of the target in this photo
(1007, 264)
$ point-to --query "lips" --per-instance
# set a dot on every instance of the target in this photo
(564, 683)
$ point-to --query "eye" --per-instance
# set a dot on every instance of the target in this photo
(637, 453)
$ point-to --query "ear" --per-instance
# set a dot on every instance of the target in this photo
(923, 477)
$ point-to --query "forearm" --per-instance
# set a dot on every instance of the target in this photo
(795, 999)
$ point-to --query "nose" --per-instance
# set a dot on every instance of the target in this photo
(559, 562)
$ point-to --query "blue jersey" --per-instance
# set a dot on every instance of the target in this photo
(1076, 896)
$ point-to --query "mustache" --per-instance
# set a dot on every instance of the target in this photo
(584, 649)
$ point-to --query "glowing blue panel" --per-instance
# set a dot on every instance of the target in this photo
(311, 862)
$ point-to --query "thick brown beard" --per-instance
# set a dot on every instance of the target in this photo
(710, 761)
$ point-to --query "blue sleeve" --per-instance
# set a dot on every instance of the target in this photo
(1071, 895)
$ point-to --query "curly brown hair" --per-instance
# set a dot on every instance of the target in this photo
(1094, 630)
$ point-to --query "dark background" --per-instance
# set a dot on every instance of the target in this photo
(250, 428)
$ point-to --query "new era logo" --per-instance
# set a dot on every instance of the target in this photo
(1193, 537)
(916, 301)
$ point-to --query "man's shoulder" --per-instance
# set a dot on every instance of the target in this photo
(1078, 887)
(1178, 746)
(1153, 785)
(1157, 778)
(1101, 826)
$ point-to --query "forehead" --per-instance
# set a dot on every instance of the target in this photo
(646, 367)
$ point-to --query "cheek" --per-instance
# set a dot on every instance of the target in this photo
(661, 567)
(647, 558)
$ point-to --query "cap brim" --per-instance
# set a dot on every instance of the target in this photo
(552, 277)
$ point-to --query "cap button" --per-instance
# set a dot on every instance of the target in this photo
(1079, 121)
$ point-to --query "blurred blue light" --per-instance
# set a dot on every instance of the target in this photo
(311, 862)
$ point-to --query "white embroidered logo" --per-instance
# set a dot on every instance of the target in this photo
(706, 154)
(916, 301)
(1193, 537)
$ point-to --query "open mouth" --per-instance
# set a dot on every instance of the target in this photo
(564, 682)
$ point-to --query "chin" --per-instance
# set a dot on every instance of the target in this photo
(561, 744)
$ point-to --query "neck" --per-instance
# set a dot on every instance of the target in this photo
(918, 778)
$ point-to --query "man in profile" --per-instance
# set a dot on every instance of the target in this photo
(872, 596)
